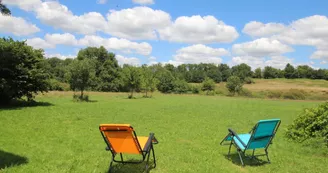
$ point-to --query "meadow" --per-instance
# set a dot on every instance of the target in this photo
(59, 135)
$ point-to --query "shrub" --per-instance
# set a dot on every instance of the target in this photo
(311, 123)
(195, 89)
(234, 84)
(294, 94)
(181, 86)
(55, 85)
(208, 85)
(249, 80)
(245, 92)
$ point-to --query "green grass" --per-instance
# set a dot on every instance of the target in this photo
(63, 136)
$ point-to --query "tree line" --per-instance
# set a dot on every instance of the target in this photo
(25, 71)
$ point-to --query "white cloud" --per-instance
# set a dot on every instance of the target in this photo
(175, 63)
(143, 2)
(101, 1)
(199, 54)
(60, 56)
(63, 39)
(323, 62)
(258, 29)
(255, 62)
(59, 16)
(117, 44)
(39, 43)
(197, 29)
(124, 60)
(261, 47)
(320, 54)
(137, 22)
(16, 25)
(24, 4)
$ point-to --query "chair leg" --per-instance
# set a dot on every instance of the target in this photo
(267, 154)
(147, 163)
(152, 148)
(121, 157)
(253, 154)
(229, 148)
(241, 159)
(110, 165)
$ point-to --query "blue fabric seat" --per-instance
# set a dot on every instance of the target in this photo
(259, 137)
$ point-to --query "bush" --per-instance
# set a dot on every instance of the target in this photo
(234, 84)
(245, 92)
(55, 85)
(208, 85)
(249, 80)
(181, 86)
(294, 94)
(195, 89)
(311, 123)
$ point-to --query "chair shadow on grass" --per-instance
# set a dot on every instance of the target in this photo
(248, 160)
(131, 168)
(18, 104)
(9, 160)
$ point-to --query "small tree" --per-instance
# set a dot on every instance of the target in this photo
(181, 86)
(149, 80)
(132, 78)
(22, 71)
(234, 84)
(208, 85)
(166, 81)
(258, 73)
(80, 74)
(311, 123)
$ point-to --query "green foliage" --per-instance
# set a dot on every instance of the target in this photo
(258, 73)
(109, 76)
(81, 98)
(270, 73)
(305, 71)
(311, 123)
(81, 73)
(246, 93)
(181, 86)
(166, 81)
(242, 71)
(55, 85)
(290, 72)
(225, 71)
(132, 78)
(274, 94)
(149, 80)
(294, 94)
(248, 80)
(208, 85)
(4, 10)
(234, 84)
(195, 89)
(22, 71)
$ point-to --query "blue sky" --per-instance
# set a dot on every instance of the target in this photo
(259, 33)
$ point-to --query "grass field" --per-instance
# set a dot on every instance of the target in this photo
(60, 135)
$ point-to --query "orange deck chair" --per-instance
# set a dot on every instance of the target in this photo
(122, 139)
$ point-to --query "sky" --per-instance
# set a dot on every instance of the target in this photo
(259, 33)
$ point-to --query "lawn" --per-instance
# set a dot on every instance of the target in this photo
(60, 135)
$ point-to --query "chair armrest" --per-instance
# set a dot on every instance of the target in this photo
(234, 134)
(149, 142)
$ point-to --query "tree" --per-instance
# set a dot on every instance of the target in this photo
(181, 86)
(3, 9)
(132, 78)
(149, 80)
(208, 85)
(225, 71)
(22, 71)
(290, 72)
(166, 81)
(305, 71)
(242, 71)
(214, 73)
(258, 73)
(234, 84)
(110, 76)
(81, 73)
(270, 73)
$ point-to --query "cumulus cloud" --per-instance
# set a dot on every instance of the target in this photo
(261, 47)
(197, 29)
(258, 29)
(137, 22)
(199, 54)
(39, 43)
(27, 5)
(320, 54)
(143, 2)
(63, 39)
(124, 45)
(101, 1)
(255, 62)
(125, 60)
(17, 26)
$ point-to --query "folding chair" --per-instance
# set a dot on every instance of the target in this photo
(122, 139)
(259, 137)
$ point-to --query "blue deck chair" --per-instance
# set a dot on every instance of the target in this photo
(259, 137)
